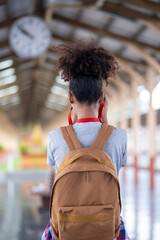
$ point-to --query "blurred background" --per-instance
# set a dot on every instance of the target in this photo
(33, 101)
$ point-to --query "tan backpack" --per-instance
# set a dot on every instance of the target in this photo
(85, 198)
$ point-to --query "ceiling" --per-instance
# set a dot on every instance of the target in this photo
(130, 29)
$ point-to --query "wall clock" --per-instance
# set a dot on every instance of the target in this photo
(29, 37)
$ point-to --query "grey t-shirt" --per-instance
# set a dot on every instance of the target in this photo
(86, 133)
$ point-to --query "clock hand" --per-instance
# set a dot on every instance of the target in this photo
(25, 32)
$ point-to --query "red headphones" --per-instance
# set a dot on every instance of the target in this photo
(69, 117)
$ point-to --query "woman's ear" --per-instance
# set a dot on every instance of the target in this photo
(71, 97)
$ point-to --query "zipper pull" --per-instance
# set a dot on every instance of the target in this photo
(86, 175)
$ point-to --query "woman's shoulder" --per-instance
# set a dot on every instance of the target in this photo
(120, 131)
(55, 136)
(119, 134)
(54, 132)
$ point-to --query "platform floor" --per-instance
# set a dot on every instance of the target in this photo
(22, 216)
(141, 205)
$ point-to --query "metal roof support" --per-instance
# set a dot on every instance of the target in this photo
(137, 77)
(51, 8)
(4, 44)
(104, 32)
(66, 40)
(150, 60)
(126, 12)
(151, 24)
(152, 6)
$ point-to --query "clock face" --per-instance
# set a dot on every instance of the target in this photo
(29, 37)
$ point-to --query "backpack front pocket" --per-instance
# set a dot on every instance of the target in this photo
(86, 223)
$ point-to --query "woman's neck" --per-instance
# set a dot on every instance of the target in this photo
(86, 111)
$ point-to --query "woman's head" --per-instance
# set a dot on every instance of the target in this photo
(85, 65)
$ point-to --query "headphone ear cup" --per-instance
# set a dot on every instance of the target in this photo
(100, 110)
(69, 117)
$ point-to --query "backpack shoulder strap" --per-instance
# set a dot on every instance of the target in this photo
(70, 137)
(103, 136)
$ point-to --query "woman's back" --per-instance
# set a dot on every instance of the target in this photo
(86, 133)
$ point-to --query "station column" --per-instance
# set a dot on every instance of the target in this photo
(135, 126)
(151, 122)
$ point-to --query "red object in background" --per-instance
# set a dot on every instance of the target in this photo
(152, 171)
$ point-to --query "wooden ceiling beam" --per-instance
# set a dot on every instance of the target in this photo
(3, 1)
(11, 105)
(45, 74)
(50, 10)
(65, 39)
(152, 6)
(103, 32)
(20, 63)
(14, 111)
(127, 60)
(126, 12)
(30, 68)
(9, 22)
(8, 56)
(10, 95)
(48, 66)
(151, 24)
(8, 85)
(150, 60)
(81, 6)
(25, 65)
(134, 74)
(4, 44)
(131, 61)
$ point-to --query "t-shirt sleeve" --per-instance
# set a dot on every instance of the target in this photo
(124, 154)
(50, 158)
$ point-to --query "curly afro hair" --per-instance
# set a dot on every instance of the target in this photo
(85, 59)
(85, 65)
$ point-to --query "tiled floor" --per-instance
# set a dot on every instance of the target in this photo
(22, 218)
(21, 215)
(141, 206)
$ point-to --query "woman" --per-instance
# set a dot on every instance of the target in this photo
(84, 65)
